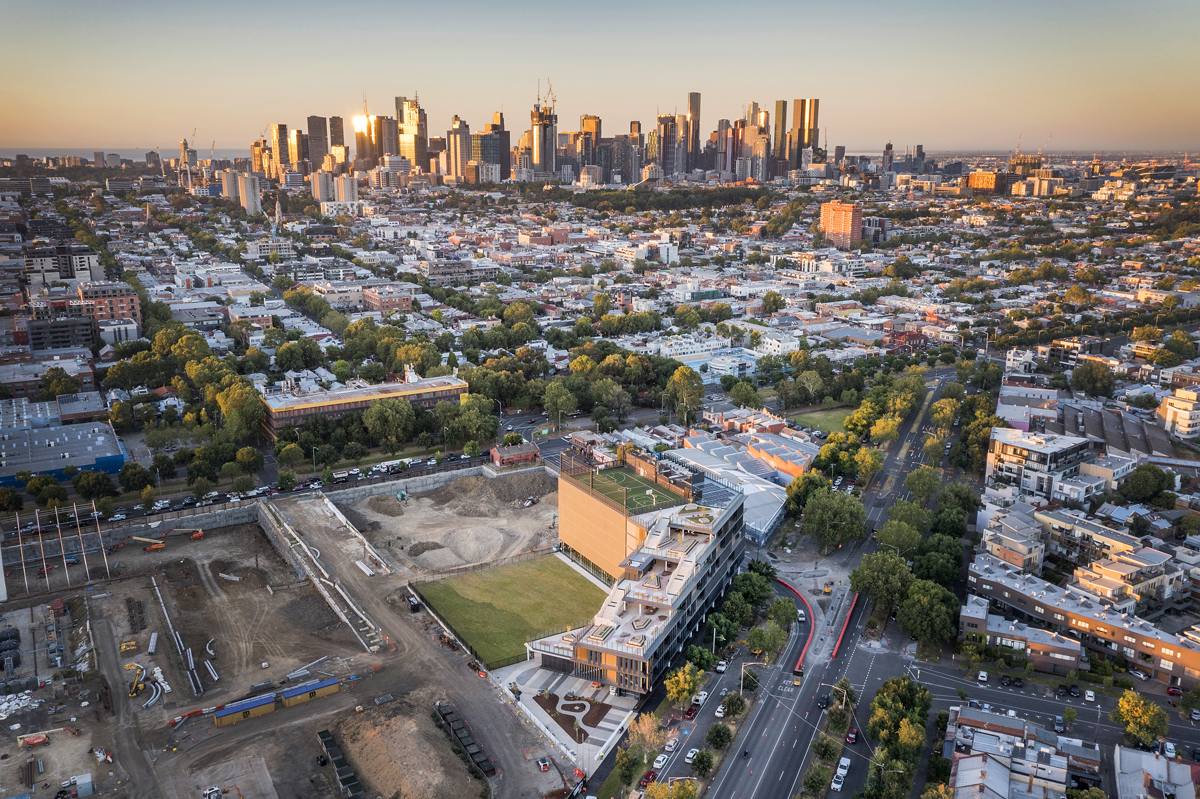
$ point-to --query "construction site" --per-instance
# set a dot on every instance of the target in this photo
(179, 672)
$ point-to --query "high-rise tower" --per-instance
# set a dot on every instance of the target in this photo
(695, 157)
(337, 136)
(544, 127)
(414, 131)
(458, 147)
(318, 141)
(279, 149)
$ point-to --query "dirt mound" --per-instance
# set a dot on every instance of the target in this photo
(400, 751)
(360, 522)
(421, 547)
(479, 496)
(386, 505)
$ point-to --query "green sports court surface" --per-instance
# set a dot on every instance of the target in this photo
(624, 485)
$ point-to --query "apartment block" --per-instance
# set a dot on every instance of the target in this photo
(1142, 581)
(44, 265)
(1033, 462)
(1050, 652)
(291, 406)
(1102, 629)
(387, 299)
(447, 272)
(668, 566)
(111, 300)
(1180, 414)
(841, 223)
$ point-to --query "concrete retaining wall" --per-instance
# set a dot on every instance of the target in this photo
(412, 485)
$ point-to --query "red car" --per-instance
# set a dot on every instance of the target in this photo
(1173, 691)
(852, 736)
(691, 712)
(647, 778)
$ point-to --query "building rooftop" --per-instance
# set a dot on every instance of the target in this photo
(358, 390)
(53, 448)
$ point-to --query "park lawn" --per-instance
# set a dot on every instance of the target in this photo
(831, 421)
(498, 609)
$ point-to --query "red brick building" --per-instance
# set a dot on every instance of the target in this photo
(905, 341)
(387, 299)
(515, 454)
(841, 223)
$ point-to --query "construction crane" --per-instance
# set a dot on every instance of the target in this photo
(162, 164)
(1048, 138)
(211, 153)
(1018, 152)
(550, 93)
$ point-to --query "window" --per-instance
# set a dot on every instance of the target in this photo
(1039, 609)
(1131, 639)
(1167, 652)
(1166, 665)
(1128, 652)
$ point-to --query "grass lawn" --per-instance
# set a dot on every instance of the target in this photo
(827, 421)
(497, 609)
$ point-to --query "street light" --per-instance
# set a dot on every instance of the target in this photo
(314, 449)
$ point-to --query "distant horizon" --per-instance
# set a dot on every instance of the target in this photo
(138, 154)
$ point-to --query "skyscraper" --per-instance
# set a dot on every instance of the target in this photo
(781, 137)
(694, 157)
(682, 143)
(260, 156)
(297, 148)
(635, 130)
(503, 143)
(812, 130)
(337, 137)
(279, 149)
(98, 156)
(839, 152)
(318, 141)
(414, 132)
(665, 135)
(544, 125)
(458, 148)
(889, 156)
(589, 138)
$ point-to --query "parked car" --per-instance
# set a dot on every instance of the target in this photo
(699, 699)
(1059, 724)
(691, 712)
(1168, 750)
(1062, 691)
(721, 666)
(1141, 675)
(660, 761)
(720, 711)
(1006, 680)
(982, 678)
(647, 778)
(1195, 714)
(1173, 691)
(852, 736)
(1018, 682)
(838, 780)
(1074, 689)
(671, 744)
(1089, 696)
(691, 755)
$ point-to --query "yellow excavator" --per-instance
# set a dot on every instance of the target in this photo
(139, 681)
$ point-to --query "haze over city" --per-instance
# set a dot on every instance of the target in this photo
(955, 76)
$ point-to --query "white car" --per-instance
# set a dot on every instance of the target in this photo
(982, 678)
(659, 762)
(691, 755)
(721, 666)
(1089, 696)
(671, 744)
(699, 699)
(120, 517)
(836, 785)
(1141, 675)
(720, 711)
(1169, 750)
(843, 767)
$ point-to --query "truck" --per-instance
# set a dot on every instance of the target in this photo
(341, 477)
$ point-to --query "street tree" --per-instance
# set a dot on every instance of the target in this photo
(832, 518)
(686, 390)
(869, 461)
(885, 430)
(754, 587)
(929, 613)
(923, 483)
(901, 536)
(1069, 713)
(737, 609)
(782, 611)
(725, 628)
(944, 412)
(558, 402)
(719, 736)
(1143, 719)
(646, 734)
(703, 764)
(884, 578)
(911, 514)
(745, 396)
(683, 683)
(801, 488)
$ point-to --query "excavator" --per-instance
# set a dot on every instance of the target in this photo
(139, 681)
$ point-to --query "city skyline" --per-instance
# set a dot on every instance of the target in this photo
(924, 79)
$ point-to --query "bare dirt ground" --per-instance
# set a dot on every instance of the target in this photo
(398, 750)
(469, 520)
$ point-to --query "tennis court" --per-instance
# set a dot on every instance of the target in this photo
(625, 485)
